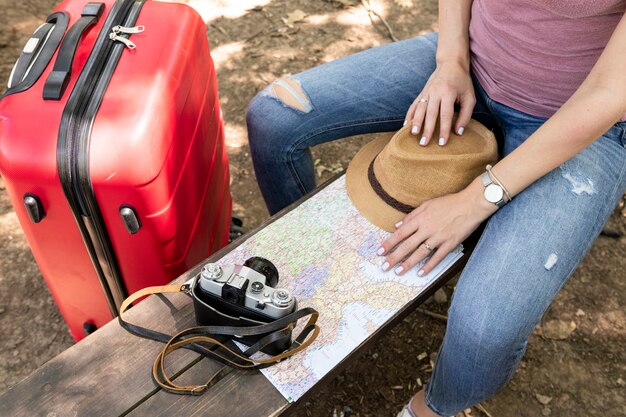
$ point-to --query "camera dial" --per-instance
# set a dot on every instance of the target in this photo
(281, 298)
(212, 271)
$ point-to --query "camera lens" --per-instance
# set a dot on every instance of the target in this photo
(264, 267)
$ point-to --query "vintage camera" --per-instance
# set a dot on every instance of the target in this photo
(250, 286)
(242, 295)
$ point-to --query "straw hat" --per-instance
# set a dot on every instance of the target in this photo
(388, 178)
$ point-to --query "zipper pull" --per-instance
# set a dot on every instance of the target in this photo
(121, 29)
(118, 30)
(127, 42)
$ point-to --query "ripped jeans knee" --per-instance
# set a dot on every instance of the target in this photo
(289, 92)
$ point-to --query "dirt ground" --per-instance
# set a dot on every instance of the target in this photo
(575, 364)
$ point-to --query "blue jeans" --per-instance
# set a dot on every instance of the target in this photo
(529, 248)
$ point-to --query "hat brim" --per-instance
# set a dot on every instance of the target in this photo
(360, 191)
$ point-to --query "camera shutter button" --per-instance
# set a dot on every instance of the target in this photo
(257, 287)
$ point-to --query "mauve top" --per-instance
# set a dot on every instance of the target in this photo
(532, 55)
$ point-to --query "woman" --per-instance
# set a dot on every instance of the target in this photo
(550, 75)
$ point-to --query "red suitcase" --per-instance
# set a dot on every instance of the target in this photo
(112, 151)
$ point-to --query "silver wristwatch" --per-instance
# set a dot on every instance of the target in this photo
(493, 192)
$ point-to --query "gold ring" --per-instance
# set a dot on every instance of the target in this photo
(427, 246)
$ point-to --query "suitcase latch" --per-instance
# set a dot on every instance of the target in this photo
(130, 219)
(34, 208)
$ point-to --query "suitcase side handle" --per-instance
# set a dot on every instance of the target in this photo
(37, 53)
(58, 79)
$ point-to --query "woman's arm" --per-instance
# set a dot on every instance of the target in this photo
(597, 104)
(451, 81)
(453, 43)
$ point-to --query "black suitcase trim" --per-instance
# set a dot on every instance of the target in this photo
(73, 150)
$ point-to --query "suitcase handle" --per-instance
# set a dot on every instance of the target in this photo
(57, 81)
(30, 51)
(37, 53)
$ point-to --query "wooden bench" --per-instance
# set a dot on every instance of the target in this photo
(108, 373)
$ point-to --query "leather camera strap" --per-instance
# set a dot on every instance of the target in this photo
(215, 341)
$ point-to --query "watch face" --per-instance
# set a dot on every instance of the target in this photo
(493, 193)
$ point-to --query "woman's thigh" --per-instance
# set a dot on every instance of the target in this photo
(532, 245)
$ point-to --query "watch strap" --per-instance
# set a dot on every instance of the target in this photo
(486, 179)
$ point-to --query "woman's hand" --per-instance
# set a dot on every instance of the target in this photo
(450, 83)
(441, 223)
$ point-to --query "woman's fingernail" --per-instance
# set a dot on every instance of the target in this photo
(399, 270)
(414, 130)
(419, 273)
(385, 266)
(423, 141)
(442, 141)
(398, 224)
(380, 251)
(405, 122)
(461, 130)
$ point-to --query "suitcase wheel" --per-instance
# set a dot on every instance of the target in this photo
(236, 229)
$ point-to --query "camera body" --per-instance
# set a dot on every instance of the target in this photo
(246, 287)
(242, 295)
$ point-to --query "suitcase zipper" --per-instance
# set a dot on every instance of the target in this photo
(73, 148)
(127, 42)
(121, 29)
(117, 30)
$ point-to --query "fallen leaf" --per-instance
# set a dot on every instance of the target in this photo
(580, 312)
(397, 387)
(543, 399)
(294, 17)
(422, 356)
(404, 3)
(321, 168)
(558, 329)
(440, 296)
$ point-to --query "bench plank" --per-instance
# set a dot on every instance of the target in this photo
(240, 393)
